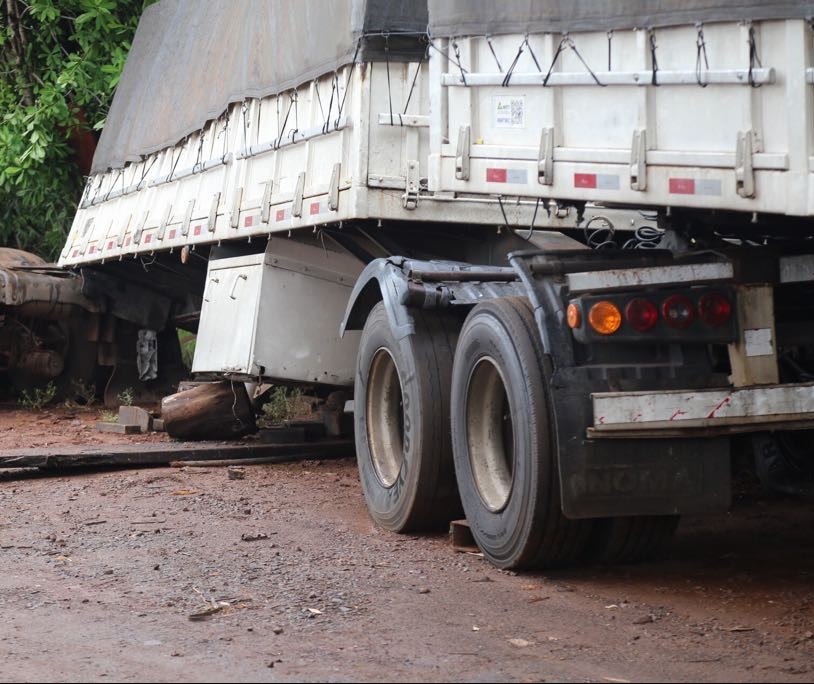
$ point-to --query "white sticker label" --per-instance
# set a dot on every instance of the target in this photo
(758, 342)
(510, 112)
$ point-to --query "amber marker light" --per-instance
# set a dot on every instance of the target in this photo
(605, 318)
(573, 316)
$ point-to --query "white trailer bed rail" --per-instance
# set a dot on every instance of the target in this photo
(719, 116)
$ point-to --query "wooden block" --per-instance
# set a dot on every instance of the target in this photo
(118, 428)
(134, 415)
(461, 537)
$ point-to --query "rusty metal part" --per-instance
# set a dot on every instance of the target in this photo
(42, 363)
(37, 290)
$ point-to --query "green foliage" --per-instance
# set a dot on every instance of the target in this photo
(39, 399)
(283, 405)
(126, 397)
(60, 61)
(187, 341)
(84, 393)
(109, 417)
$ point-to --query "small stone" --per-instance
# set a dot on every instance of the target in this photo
(644, 620)
(276, 630)
(237, 473)
(423, 590)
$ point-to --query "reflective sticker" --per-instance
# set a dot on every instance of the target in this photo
(693, 186)
(172, 233)
(597, 181)
(314, 208)
(110, 245)
(708, 186)
(494, 175)
(585, 180)
(148, 238)
(682, 186)
(606, 181)
(248, 222)
(196, 230)
(127, 242)
(283, 214)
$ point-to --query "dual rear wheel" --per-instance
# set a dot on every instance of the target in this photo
(465, 412)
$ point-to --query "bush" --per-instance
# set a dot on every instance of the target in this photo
(40, 398)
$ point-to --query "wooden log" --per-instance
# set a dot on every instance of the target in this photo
(219, 410)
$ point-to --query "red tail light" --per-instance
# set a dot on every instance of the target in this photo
(641, 314)
(678, 311)
(714, 309)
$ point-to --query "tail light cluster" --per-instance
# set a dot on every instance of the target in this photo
(700, 314)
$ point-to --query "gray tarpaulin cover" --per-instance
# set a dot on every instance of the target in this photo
(481, 17)
(191, 58)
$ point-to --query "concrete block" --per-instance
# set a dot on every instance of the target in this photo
(134, 415)
(118, 428)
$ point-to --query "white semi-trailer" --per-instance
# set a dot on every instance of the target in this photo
(333, 194)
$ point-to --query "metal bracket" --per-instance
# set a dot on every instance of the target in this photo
(140, 229)
(123, 231)
(638, 160)
(545, 158)
(463, 153)
(164, 221)
(89, 235)
(234, 219)
(188, 218)
(409, 199)
(299, 191)
(213, 212)
(333, 193)
(265, 205)
(744, 170)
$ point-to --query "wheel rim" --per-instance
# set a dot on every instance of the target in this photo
(490, 434)
(385, 418)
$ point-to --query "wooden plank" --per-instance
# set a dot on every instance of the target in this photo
(164, 453)
(282, 458)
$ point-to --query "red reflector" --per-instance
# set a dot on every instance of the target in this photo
(641, 314)
(714, 308)
(682, 186)
(678, 311)
(585, 180)
(496, 175)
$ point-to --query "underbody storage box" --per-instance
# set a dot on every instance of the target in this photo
(276, 315)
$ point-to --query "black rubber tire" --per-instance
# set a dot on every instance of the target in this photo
(631, 539)
(423, 494)
(529, 530)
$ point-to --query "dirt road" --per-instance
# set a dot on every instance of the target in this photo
(100, 573)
